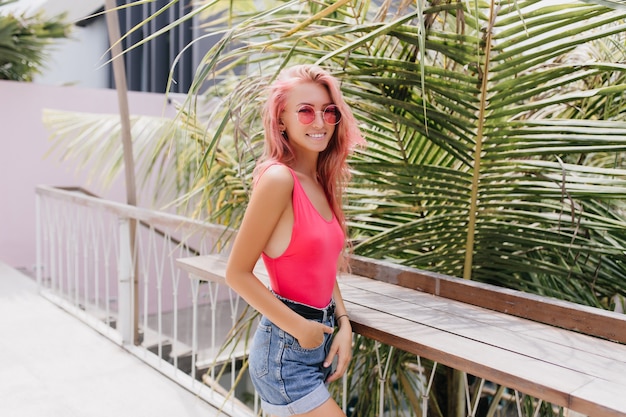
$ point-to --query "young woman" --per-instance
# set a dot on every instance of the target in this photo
(295, 222)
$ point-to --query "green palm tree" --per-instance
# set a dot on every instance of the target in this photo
(495, 129)
(25, 41)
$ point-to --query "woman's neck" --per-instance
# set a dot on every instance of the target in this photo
(306, 167)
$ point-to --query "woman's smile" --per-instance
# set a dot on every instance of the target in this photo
(317, 136)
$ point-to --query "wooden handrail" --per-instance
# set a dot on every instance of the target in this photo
(566, 315)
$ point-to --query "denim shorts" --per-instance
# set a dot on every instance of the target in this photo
(288, 378)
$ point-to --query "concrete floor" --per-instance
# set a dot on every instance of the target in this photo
(53, 365)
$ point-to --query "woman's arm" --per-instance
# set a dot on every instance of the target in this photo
(342, 342)
(269, 201)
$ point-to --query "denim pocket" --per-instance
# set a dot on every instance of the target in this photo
(310, 357)
(295, 345)
(260, 350)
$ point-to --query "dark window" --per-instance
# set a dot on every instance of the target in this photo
(148, 65)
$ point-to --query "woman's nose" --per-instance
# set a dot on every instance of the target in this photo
(319, 119)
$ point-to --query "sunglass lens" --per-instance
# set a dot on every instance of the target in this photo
(306, 115)
(332, 115)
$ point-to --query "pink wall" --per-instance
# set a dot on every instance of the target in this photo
(24, 142)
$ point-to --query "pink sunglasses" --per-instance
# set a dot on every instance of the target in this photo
(306, 114)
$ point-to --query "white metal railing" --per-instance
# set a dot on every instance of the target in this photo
(131, 291)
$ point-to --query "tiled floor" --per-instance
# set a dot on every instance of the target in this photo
(53, 365)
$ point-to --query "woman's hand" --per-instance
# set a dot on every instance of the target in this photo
(342, 348)
(312, 334)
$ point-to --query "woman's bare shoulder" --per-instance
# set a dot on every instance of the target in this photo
(277, 175)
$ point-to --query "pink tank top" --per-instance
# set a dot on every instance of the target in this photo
(307, 270)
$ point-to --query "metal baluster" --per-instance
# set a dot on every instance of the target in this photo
(125, 282)
(382, 374)
(234, 306)
(144, 257)
(68, 254)
(175, 281)
(108, 240)
(75, 243)
(195, 286)
(38, 226)
(86, 232)
(213, 288)
(159, 267)
(95, 253)
(538, 407)
(344, 388)
(472, 409)
(425, 390)
(55, 246)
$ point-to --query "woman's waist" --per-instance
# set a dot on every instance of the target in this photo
(316, 294)
(308, 311)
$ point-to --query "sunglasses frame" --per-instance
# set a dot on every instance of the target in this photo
(323, 111)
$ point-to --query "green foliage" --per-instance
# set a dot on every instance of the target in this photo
(24, 43)
(496, 146)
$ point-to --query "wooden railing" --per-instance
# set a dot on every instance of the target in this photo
(137, 297)
(570, 316)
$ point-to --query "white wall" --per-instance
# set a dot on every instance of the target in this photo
(75, 80)
(79, 59)
(23, 143)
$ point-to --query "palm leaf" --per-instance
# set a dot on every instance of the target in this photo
(25, 42)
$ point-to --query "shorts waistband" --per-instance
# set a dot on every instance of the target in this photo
(308, 312)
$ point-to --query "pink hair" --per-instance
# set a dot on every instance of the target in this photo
(332, 167)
